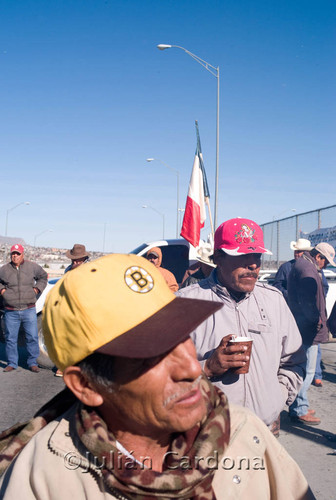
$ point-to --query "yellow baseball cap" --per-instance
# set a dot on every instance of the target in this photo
(118, 305)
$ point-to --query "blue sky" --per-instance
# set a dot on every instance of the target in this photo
(86, 97)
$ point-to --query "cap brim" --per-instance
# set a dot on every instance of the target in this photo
(211, 264)
(164, 330)
(74, 257)
(235, 252)
(331, 262)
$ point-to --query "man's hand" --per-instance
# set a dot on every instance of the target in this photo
(36, 290)
(225, 357)
(3, 291)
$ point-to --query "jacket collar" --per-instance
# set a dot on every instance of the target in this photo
(221, 290)
(15, 266)
(307, 256)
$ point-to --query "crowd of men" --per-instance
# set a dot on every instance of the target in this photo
(155, 404)
(306, 292)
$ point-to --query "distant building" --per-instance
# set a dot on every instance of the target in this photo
(327, 234)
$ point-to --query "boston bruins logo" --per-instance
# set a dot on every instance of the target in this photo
(138, 279)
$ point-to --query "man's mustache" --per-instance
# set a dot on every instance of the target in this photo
(249, 275)
(189, 387)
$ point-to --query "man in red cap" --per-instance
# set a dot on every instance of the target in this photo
(251, 309)
(20, 282)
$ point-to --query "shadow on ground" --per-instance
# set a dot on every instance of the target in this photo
(313, 433)
(331, 377)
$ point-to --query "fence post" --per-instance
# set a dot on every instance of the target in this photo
(278, 242)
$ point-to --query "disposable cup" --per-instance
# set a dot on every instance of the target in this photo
(243, 341)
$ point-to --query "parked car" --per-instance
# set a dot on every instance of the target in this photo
(43, 360)
(268, 275)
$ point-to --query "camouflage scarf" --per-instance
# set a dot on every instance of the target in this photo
(184, 476)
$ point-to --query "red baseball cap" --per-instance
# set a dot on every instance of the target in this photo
(239, 237)
(17, 248)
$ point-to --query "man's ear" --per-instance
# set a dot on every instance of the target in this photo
(76, 381)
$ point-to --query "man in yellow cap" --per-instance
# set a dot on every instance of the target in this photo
(138, 419)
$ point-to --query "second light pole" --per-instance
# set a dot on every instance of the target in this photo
(162, 215)
(10, 209)
(39, 234)
(176, 172)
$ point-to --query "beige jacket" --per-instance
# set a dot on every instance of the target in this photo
(277, 359)
(255, 467)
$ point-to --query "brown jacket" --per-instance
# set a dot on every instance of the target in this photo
(19, 284)
(306, 300)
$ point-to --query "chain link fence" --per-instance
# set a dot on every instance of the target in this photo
(316, 226)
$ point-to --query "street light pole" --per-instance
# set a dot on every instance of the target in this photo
(10, 209)
(283, 212)
(177, 173)
(42, 232)
(162, 215)
(215, 72)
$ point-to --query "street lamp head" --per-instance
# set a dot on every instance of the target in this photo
(27, 202)
(144, 206)
(163, 46)
(150, 159)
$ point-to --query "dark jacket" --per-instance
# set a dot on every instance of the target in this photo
(306, 300)
(281, 277)
(20, 282)
(332, 321)
(193, 278)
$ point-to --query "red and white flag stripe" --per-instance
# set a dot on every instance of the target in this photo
(194, 215)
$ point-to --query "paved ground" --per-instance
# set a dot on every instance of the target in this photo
(23, 392)
(314, 448)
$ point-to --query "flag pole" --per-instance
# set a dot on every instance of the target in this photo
(206, 192)
(210, 216)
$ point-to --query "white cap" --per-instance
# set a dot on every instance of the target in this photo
(327, 251)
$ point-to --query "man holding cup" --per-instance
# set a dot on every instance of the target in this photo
(251, 309)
